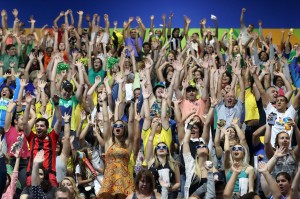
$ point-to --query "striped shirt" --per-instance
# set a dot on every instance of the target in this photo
(48, 144)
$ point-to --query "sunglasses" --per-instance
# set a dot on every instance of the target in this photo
(162, 147)
(237, 148)
(201, 146)
(118, 126)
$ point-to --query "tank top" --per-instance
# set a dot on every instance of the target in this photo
(243, 174)
(135, 197)
(287, 164)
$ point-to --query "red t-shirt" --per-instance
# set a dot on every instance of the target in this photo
(48, 144)
(11, 138)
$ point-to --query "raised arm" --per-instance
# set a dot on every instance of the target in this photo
(62, 13)
(273, 186)
(242, 18)
(28, 123)
(228, 191)
(142, 28)
(206, 129)
(296, 103)
(58, 115)
(264, 95)
(8, 117)
(147, 121)
(287, 85)
(295, 185)
(149, 146)
(66, 149)
(170, 24)
(164, 115)
(35, 177)
(268, 145)
(79, 26)
(106, 120)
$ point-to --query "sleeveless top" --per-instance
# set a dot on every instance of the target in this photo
(135, 197)
(243, 174)
(287, 164)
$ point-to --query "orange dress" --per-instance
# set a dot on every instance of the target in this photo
(117, 178)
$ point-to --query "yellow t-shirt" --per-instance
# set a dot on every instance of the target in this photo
(251, 110)
(164, 136)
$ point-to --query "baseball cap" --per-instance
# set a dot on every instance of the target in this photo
(159, 85)
(67, 85)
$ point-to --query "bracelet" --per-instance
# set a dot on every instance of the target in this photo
(67, 122)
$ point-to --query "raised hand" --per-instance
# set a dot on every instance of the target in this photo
(213, 102)
(119, 78)
(222, 70)
(97, 80)
(262, 167)
(280, 152)
(185, 83)
(23, 83)
(40, 57)
(235, 121)
(252, 69)
(15, 12)
(148, 63)
(66, 117)
(39, 157)
(80, 12)
(146, 93)
(164, 94)
(177, 65)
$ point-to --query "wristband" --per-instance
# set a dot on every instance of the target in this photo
(67, 122)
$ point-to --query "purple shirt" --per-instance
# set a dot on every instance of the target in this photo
(130, 41)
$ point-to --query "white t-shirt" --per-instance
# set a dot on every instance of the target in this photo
(77, 171)
(244, 35)
(279, 124)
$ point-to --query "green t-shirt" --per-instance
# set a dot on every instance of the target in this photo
(92, 75)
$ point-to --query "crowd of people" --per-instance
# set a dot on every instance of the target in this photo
(100, 113)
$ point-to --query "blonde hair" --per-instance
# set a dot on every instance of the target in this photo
(245, 162)
(76, 190)
(172, 163)
(198, 166)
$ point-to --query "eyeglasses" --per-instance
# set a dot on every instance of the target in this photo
(118, 126)
(162, 147)
(201, 146)
(237, 148)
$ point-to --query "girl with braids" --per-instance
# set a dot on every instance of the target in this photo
(117, 182)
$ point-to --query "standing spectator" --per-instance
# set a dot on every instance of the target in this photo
(43, 139)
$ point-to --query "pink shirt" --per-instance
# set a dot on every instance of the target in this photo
(10, 191)
(187, 107)
(11, 137)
